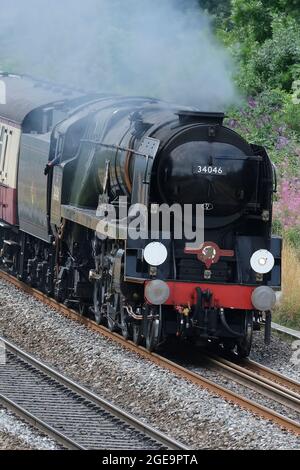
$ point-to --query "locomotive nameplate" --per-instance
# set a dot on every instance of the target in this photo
(209, 170)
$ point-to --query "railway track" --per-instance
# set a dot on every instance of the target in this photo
(261, 379)
(287, 391)
(75, 417)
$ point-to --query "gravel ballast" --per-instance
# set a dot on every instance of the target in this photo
(16, 435)
(282, 354)
(219, 377)
(161, 399)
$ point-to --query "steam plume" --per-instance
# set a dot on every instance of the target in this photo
(160, 48)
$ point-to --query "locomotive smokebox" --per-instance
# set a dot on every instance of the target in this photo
(208, 165)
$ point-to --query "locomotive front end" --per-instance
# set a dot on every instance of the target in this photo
(222, 288)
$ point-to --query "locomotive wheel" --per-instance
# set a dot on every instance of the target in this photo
(153, 333)
(228, 345)
(61, 289)
(110, 322)
(49, 282)
(125, 325)
(244, 344)
(98, 296)
(125, 330)
(113, 309)
(83, 308)
(137, 333)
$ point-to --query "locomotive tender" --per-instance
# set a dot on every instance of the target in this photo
(100, 149)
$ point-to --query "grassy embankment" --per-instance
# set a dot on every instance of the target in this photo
(288, 310)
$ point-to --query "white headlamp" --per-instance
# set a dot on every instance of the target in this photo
(262, 261)
(155, 254)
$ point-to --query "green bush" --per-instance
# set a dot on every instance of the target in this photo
(292, 236)
(291, 113)
(278, 56)
(274, 63)
(251, 18)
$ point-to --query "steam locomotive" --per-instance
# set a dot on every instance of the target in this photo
(65, 153)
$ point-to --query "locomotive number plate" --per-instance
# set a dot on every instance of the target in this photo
(208, 170)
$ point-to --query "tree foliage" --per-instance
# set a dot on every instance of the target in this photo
(273, 63)
(265, 38)
(216, 8)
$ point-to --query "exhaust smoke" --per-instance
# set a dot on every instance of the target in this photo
(164, 49)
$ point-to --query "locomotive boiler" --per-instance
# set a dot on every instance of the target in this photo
(117, 152)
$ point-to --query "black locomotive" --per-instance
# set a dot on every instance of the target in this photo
(110, 151)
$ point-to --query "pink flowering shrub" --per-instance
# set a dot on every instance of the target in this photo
(287, 208)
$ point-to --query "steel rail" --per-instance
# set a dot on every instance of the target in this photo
(261, 379)
(40, 424)
(272, 375)
(83, 392)
(228, 395)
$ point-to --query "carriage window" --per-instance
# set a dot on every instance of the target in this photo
(4, 149)
(2, 134)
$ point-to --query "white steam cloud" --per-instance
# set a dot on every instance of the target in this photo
(159, 48)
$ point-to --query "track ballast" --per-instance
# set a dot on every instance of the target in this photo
(69, 413)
